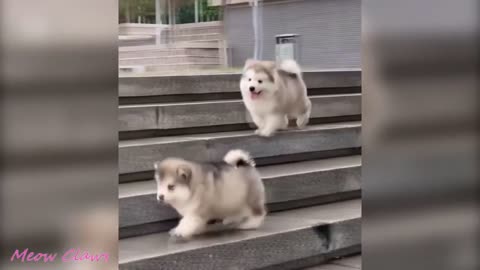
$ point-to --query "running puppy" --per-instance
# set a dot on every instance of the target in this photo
(231, 191)
(273, 94)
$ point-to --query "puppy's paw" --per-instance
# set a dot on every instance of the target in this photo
(266, 132)
(178, 233)
(251, 223)
(228, 222)
(174, 233)
(302, 121)
(232, 221)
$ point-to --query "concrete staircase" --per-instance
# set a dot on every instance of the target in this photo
(183, 46)
(312, 176)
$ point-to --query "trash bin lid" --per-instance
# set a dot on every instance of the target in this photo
(286, 35)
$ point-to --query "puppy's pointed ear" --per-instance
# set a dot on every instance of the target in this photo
(156, 165)
(249, 63)
(158, 173)
(270, 65)
(185, 173)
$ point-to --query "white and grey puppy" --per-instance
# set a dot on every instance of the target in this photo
(231, 191)
(273, 94)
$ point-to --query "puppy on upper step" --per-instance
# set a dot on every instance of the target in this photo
(231, 191)
(273, 94)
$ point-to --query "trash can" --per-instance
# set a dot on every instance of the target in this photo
(286, 47)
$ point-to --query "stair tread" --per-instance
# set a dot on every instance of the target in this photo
(238, 73)
(173, 64)
(166, 47)
(156, 245)
(222, 81)
(190, 103)
(218, 114)
(149, 187)
(217, 135)
(347, 263)
(168, 56)
(200, 34)
(331, 267)
(313, 142)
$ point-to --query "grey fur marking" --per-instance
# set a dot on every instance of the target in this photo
(215, 168)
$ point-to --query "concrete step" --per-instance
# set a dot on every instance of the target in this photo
(138, 156)
(290, 239)
(181, 45)
(138, 86)
(197, 29)
(177, 37)
(194, 31)
(195, 44)
(170, 67)
(165, 52)
(171, 59)
(155, 29)
(141, 29)
(348, 263)
(136, 40)
(287, 186)
(221, 112)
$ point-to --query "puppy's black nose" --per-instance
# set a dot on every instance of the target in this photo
(161, 198)
(252, 88)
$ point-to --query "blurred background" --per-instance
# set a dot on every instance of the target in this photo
(58, 143)
(420, 134)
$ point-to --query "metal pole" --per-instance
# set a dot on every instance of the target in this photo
(158, 21)
(128, 10)
(224, 49)
(196, 11)
(257, 29)
(200, 10)
(158, 12)
(174, 12)
(170, 12)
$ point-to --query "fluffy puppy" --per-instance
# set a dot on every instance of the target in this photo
(231, 191)
(273, 94)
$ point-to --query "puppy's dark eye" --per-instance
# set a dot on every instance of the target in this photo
(250, 79)
(260, 81)
(171, 187)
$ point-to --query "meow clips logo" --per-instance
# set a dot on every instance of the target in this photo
(71, 255)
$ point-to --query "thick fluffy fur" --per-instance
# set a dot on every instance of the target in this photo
(230, 191)
(238, 158)
(273, 94)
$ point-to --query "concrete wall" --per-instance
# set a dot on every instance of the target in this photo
(329, 31)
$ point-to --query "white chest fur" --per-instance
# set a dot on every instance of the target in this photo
(183, 208)
(260, 106)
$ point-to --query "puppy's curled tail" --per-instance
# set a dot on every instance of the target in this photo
(239, 158)
(290, 66)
